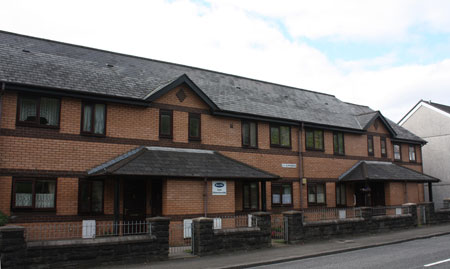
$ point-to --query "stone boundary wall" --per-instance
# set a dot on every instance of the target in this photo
(207, 241)
(298, 231)
(80, 253)
(438, 216)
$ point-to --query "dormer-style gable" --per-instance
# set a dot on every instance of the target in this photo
(182, 83)
(371, 122)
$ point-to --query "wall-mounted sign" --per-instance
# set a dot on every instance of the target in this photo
(289, 165)
(219, 188)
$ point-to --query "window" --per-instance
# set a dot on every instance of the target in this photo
(341, 198)
(282, 194)
(370, 145)
(338, 142)
(314, 139)
(90, 196)
(93, 119)
(397, 152)
(194, 126)
(38, 111)
(30, 193)
(280, 136)
(383, 146)
(412, 153)
(165, 123)
(250, 196)
(316, 194)
(249, 134)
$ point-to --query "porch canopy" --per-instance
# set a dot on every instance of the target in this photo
(383, 171)
(177, 162)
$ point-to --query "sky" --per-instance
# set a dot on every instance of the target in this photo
(384, 54)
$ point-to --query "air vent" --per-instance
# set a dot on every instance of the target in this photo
(25, 50)
(109, 65)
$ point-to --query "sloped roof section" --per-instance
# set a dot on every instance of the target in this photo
(175, 162)
(54, 65)
(383, 171)
(440, 106)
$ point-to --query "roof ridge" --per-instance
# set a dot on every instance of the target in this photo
(161, 61)
(366, 113)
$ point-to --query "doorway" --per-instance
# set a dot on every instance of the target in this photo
(370, 194)
(134, 197)
(156, 198)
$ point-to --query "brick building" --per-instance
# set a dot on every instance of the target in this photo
(91, 134)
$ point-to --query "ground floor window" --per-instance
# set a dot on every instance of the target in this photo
(341, 198)
(32, 193)
(316, 194)
(250, 195)
(282, 194)
(90, 196)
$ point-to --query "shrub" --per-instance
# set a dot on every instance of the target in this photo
(3, 219)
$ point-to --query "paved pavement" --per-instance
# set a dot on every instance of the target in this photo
(283, 253)
(430, 252)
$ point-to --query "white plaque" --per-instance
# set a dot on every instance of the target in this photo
(219, 188)
(289, 165)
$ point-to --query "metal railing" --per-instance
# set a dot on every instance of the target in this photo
(325, 213)
(83, 230)
(390, 210)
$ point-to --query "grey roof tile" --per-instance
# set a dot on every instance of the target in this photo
(92, 71)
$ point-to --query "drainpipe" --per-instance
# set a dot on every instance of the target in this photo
(205, 196)
(300, 164)
(2, 92)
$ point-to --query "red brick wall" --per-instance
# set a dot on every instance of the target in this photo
(125, 121)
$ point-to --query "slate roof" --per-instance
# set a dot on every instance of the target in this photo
(32, 61)
(175, 162)
(440, 106)
(383, 171)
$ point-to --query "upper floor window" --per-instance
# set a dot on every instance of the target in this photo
(282, 194)
(316, 194)
(370, 145)
(412, 153)
(397, 152)
(383, 146)
(165, 123)
(32, 193)
(338, 142)
(280, 136)
(90, 196)
(249, 134)
(314, 139)
(38, 111)
(93, 118)
(194, 126)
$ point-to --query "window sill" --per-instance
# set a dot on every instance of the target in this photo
(284, 205)
(248, 147)
(166, 137)
(193, 139)
(27, 211)
(281, 147)
(312, 149)
(92, 135)
(34, 125)
(339, 154)
(317, 205)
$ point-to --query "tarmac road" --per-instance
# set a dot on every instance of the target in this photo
(425, 253)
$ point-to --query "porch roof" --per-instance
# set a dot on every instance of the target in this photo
(177, 162)
(384, 171)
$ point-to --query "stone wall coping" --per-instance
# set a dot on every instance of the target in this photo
(93, 241)
(260, 213)
(203, 219)
(330, 222)
(392, 217)
(446, 199)
(236, 230)
(292, 212)
(11, 228)
(158, 219)
(409, 204)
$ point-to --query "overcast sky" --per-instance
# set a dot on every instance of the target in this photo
(384, 54)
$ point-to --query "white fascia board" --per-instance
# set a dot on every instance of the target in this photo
(425, 104)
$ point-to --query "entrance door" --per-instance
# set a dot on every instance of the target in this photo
(371, 194)
(156, 198)
(134, 206)
(377, 193)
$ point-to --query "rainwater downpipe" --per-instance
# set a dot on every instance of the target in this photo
(2, 92)
(205, 196)
(300, 163)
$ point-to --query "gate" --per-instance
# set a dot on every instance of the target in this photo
(278, 228)
(421, 215)
(180, 238)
